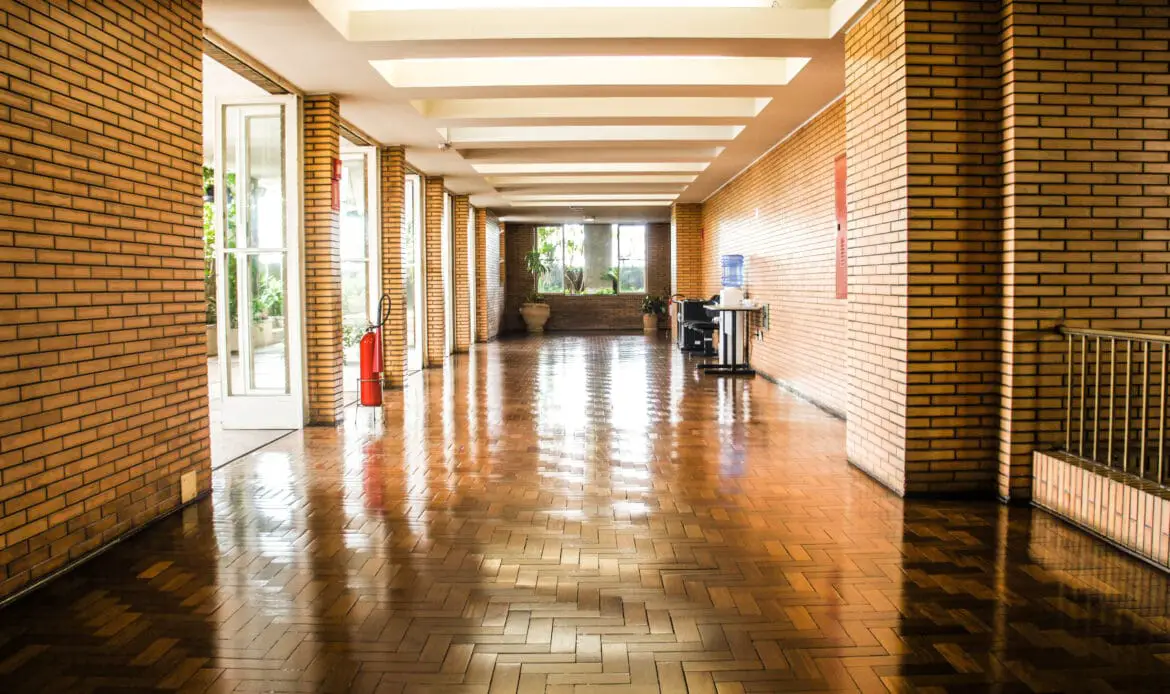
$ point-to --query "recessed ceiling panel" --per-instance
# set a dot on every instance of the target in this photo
(592, 133)
(588, 70)
(589, 167)
(502, 111)
(543, 198)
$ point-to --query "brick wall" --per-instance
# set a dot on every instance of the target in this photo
(953, 284)
(436, 323)
(686, 242)
(392, 164)
(780, 214)
(1086, 196)
(322, 137)
(461, 211)
(601, 312)
(875, 144)
(103, 376)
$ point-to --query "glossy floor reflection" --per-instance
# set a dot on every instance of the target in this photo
(585, 514)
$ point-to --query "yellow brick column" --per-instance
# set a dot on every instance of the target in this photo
(482, 325)
(686, 253)
(461, 207)
(322, 137)
(436, 318)
(392, 166)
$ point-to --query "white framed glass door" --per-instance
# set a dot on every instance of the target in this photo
(360, 276)
(413, 270)
(258, 261)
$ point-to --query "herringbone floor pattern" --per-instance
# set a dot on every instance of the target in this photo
(587, 515)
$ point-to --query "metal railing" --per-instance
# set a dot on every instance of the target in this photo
(1115, 400)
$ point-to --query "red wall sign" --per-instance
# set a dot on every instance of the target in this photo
(842, 233)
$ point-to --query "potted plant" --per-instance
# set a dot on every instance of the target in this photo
(652, 308)
(535, 310)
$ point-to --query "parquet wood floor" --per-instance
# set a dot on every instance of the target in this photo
(587, 515)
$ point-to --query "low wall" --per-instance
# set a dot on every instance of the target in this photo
(1128, 511)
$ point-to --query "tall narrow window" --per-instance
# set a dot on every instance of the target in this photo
(355, 253)
(411, 262)
(631, 257)
(550, 246)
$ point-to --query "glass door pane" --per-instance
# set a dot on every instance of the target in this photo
(412, 262)
(258, 259)
(355, 256)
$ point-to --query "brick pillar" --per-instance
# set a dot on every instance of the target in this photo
(686, 253)
(322, 136)
(103, 303)
(392, 165)
(482, 295)
(686, 249)
(433, 261)
(923, 184)
(461, 208)
(954, 187)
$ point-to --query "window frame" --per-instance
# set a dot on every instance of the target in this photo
(615, 230)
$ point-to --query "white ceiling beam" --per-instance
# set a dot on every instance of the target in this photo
(488, 168)
(427, 20)
(581, 71)
(546, 180)
(458, 137)
(589, 197)
(597, 203)
(490, 111)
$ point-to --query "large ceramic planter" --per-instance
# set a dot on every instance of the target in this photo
(650, 322)
(535, 316)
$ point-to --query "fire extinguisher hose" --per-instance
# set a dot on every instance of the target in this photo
(383, 312)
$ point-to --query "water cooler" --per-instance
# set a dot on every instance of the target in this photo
(732, 295)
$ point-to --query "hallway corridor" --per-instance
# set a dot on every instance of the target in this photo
(587, 514)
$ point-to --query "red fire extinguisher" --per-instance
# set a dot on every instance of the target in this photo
(370, 359)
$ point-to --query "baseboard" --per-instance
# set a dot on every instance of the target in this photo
(90, 556)
(827, 409)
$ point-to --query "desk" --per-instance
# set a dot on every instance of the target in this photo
(737, 364)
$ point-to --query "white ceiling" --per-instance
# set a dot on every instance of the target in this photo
(558, 109)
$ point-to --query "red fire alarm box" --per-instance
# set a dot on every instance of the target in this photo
(842, 232)
(336, 185)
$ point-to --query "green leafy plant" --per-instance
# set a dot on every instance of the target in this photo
(535, 261)
(653, 305)
(209, 246)
(612, 276)
(209, 237)
(269, 298)
(351, 334)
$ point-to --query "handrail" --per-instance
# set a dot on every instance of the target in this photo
(1115, 400)
(1115, 334)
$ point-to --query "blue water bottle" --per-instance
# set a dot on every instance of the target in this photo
(733, 271)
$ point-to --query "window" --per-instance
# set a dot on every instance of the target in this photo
(592, 258)
(356, 270)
